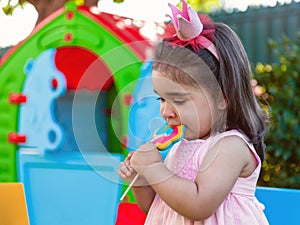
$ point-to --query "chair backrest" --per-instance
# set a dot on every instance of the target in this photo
(282, 204)
(13, 208)
(71, 188)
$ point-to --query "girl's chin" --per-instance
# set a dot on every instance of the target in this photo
(189, 136)
(193, 136)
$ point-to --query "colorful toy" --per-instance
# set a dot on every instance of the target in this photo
(65, 93)
(97, 55)
(164, 139)
(13, 207)
(130, 214)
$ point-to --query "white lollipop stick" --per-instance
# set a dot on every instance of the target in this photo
(128, 188)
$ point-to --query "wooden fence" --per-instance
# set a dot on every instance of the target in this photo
(257, 25)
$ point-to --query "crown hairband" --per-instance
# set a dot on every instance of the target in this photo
(192, 29)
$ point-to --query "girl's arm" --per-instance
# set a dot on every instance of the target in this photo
(198, 200)
(144, 196)
(143, 192)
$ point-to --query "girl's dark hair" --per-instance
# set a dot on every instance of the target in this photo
(233, 74)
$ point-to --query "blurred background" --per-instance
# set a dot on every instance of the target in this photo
(269, 30)
(270, 33)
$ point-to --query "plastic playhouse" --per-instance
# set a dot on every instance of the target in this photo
(65, 97)
(75, 97)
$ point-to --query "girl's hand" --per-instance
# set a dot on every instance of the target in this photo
(144, 158)
(127, 173)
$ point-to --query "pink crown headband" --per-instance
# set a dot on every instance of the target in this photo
(192, 29)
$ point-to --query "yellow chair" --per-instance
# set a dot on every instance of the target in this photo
(13, 210)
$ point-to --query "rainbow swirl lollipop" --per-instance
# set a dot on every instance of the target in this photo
(167, 136)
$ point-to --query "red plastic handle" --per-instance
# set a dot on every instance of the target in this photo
(15, 138)
(15, 98)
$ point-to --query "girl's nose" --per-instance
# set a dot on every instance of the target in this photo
(167, 111)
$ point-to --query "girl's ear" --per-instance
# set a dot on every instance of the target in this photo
(222, 103)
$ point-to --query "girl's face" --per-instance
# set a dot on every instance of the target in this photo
(184, 104)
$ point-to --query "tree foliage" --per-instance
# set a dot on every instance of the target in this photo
(205, 6)
(9, 8)
(280, 87)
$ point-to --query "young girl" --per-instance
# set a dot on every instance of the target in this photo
(202, 76)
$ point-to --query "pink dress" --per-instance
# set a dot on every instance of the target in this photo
(239, 208)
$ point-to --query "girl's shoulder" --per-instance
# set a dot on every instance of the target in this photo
(230, 133)
(230, 146)
(234, 135)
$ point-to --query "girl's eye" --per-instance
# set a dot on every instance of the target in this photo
(160, 99)
(175, 101)
(179, 101)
